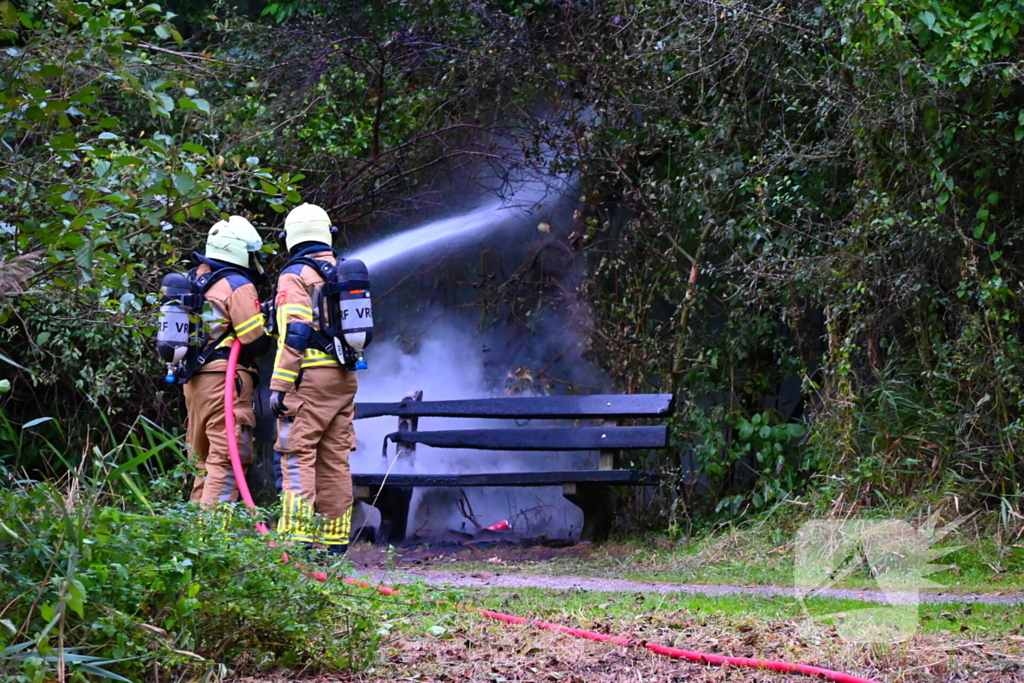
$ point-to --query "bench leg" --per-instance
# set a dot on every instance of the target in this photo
(597, 501)
(393, 504)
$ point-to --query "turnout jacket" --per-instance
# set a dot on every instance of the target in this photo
(298, 300)
(234, 307)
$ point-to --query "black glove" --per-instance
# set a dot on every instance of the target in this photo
(277, 403)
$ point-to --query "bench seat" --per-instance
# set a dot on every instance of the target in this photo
(540, 438)
(596, 428)
(614, 477)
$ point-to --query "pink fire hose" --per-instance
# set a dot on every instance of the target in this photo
(230, 428)
(699, 657)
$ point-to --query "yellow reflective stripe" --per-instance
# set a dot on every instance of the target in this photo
(304, 312)
(284, 375)
(281, 325)
(316, 358)
(227, 341)
(346, 523)
(296, 515)
(318, 363)
(250, 324)
(336, 531)
(302, 538)
(328, 539)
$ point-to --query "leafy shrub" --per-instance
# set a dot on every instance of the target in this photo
(113, 168)
(171, 594)
(107, 575)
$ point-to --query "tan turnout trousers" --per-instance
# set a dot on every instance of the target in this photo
(207, 436)
(232, 312)
(314, 439)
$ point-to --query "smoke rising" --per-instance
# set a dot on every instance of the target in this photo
(450, 363)
(475, 305)
(482, 303)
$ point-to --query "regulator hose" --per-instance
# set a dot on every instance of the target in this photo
(699, 657)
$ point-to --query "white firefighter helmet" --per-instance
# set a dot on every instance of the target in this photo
(232, 241)
(307, 223)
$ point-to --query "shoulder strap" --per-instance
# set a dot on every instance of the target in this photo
(323, 268)
(207, 280)
(203, 284)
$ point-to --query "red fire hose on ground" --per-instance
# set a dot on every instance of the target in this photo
(699, 657)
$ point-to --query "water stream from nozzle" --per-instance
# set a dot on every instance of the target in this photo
(405, 243)
(448, 231)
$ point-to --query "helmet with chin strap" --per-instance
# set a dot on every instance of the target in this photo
(233, 241)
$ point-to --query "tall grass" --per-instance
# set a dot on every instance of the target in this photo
(104, 573)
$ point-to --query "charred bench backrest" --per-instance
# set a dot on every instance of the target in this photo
(530, 407)
(590, 490)
(606, 408)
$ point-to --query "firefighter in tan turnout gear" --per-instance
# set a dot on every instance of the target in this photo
(312, 394)
(230, 309)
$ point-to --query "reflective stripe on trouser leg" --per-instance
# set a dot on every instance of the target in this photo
(336, 531)
(315, 445)
(296, 523)
(333, 475)
(297, 485)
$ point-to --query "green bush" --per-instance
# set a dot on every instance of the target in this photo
(96, 589)
(112, 169)
(106, 574)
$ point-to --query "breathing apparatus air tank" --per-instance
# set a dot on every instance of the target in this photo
(356, 311)
(174, 327)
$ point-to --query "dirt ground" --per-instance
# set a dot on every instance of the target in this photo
(366, 555)
(486, 651)
(470, 647)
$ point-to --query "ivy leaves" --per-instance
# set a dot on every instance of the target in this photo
(111, 171)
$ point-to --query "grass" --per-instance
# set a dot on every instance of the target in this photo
(587, 609)
(981, 643)
(953, 642)
(761, 554)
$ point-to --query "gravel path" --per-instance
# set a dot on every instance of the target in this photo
(519, 580)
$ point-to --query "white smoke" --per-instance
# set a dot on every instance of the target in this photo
(450, 363)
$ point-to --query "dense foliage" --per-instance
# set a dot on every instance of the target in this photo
(818, 191)
(114, 161)
(109, 575)
(803, 215)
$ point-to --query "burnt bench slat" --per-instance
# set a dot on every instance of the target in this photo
(616, 477)
(529, 407)
(541, 438)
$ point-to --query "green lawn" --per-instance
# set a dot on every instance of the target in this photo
(441, 642)
(761, 556)
(587, 609)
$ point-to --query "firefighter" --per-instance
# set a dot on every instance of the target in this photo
(231, 310)
(312, 394)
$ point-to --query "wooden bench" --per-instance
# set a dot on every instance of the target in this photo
(591, 490)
